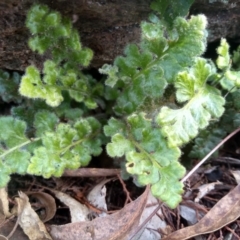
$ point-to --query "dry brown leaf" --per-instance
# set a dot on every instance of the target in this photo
(97, 197)
(9, 227)
(224, 212)
(79, 212)
(205, 189)
(113, 227)
(2, 216)
(147, 232)
(47, 202)
(29, 221)
(4, 204)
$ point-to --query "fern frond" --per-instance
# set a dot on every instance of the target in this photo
(208, 138)
(169, 10)
(62, 73)
(203, 103)
(14, 157)
(145, 71)
(148, 156)
(9, 87)
(67, 147)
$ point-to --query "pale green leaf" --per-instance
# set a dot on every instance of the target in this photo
(223, 60)
(111, 71)
(119, 146)
(12, 131)
(204, 103)
(5, 172)
(44, 121)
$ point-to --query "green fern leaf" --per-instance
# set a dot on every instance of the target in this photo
(12, 131)
(5, 172)
(68, 147)
(112, 74)
(169, 189)
(18, 161)
(148, 156)
(14, 157)
(208, 138)
(236, 59)
(146, 70)
(32, 87)
(44, 121)
(223, 60)
(51, 32)
(186, 44)
(204, 103)
(170, 9)
(9, 87)
(206, 141)
(231, 79)
(114, 126)
(119, 146)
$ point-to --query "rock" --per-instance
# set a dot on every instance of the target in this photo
(106, 26)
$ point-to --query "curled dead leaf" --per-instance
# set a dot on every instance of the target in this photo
(45, 201)
(29, 221)
(112, 227)
(97, 196)
(224, 212)
(79, 212)
(205, 189)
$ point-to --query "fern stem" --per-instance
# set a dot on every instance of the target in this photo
(149, 66)
(138, 146)
(62, 151)
(19, 146)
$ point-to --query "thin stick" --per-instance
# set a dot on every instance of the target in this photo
(128, 198)
(209, 154)
(91, 172)
(14, 228)
(146, 220)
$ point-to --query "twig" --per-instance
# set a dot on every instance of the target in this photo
(128, 198)
(19, 213)
(91, 172)
(209, 154)
(14, 228)
(146, 221)
(232, 231)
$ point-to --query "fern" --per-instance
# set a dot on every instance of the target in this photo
(9, 87)
(203, 103)
(146, 70)
(67, 147)
(14, 157)
(148, 156)
(169, 10)
(208, 138)
(158, 97)
(62, 145)
(62, 72)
